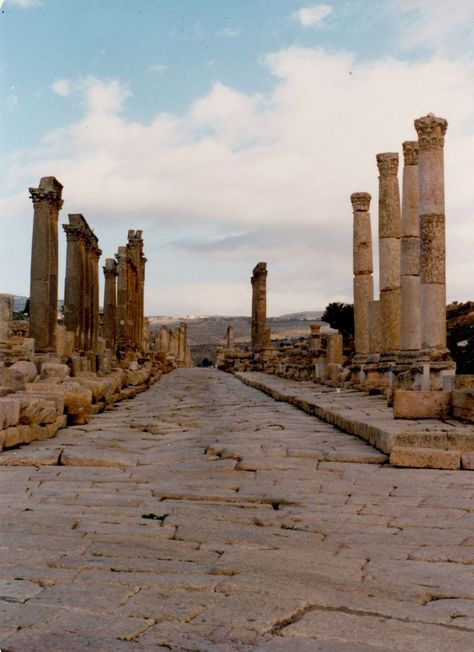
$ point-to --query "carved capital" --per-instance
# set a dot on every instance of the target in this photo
(360, 201)
(50, 198)
(259, 272)
(110, 268)
(387, 163)
(410, 152)
(73, 233)
(431, 131)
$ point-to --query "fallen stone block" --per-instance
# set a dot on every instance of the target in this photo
(421, 405)
(11, 380)
(425, 458)
(53, 372)
(27, 369)
(9, 412)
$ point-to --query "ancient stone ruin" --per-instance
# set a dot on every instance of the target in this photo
(72, 367)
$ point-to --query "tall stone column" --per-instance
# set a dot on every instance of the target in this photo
(122, 293)
(95, 254)
(389, 251)
(410, 311)
(431, 131)
(110, 302)
(259, 307)
(375, 334)
(363, 268)
(74, 283)
(47, 202)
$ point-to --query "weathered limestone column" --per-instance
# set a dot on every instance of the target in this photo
(259, 307)
(122, 293)
(47, 203)
(410, 310)
(135, 247)
(363, 268)
(74, 284)
(389, 251)
(6, 316)
(229, 338)
(375, 332)
(110, 302)
(431, 131)
(95, 254)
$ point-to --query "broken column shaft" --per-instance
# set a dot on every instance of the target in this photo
(259, 307)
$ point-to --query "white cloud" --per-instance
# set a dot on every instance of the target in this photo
(444, 24)
(312, 16)
(229, 32)
(278, 167)
(63, 87)
(158, 67)
(22, 3)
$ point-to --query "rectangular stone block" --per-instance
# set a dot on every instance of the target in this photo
(9, 412)
(467, 461)
(425, 458)
(421, 405)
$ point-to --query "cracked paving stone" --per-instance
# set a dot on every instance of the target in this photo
(266, 529)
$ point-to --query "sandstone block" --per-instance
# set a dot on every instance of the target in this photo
(52, 391)
(9, 412)
(11, 379)
(54, 373)
(421, 405)
(389, 249)
(37, 410)
(425, 458)
(467, 461)
(27, 369)
(77, 402)
(12, 437)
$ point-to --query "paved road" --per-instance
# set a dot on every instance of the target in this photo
(203, 516)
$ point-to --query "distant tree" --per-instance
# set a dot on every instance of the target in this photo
(341, 316)
(205, 362)
(26, 309)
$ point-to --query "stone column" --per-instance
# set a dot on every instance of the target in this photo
(229, 338)
(410, 311)
(259, 307)
(6, 316)
(122, 293)
(110, 302)
(431, 131)
(375, 333)
(363, 268)
(47, 203)
(389, 251)
(74, 282)
(95, 254)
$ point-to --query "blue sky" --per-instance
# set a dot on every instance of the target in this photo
(231, 132)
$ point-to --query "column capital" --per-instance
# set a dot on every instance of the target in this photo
(410, 152)
(110, 268)
(260, 270)
(73, 233)
(387, 163)
(360, 201)
(52, 198)
(431, 131)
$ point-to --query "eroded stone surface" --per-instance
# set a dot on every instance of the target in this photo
(239, 528)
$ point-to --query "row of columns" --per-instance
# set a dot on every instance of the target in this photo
(130, 273)
(124, 280)
(411, 313)
(81, 291)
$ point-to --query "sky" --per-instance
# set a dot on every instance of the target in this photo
(231, 133)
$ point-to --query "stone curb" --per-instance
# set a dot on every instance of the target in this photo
(409, 443)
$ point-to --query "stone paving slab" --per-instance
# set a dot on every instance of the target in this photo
(233, 530)
(427, 443)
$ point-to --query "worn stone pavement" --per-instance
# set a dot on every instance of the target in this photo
(203, 515)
